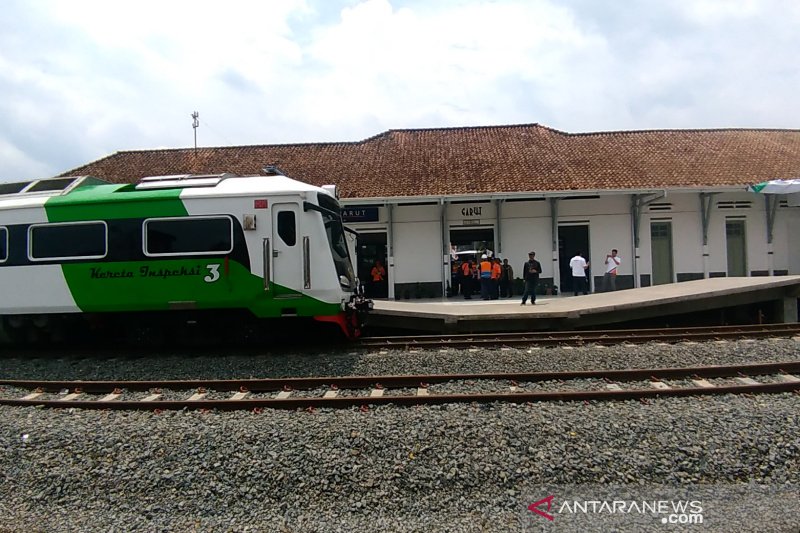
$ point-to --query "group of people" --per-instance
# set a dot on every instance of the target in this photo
(492, 277)
(580, 267)
(495, 279)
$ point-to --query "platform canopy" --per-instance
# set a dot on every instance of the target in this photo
(776, 187)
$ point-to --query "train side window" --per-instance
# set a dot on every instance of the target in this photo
(287, 227)
(188, 236)
(68, 240)
(3, 245)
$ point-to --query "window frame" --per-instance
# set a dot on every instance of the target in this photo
(5, 230)
(32, 227)
(294, 226)
(185, 218)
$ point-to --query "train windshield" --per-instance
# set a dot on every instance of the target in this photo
(336, 240)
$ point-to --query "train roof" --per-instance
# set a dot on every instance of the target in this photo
(87, 189)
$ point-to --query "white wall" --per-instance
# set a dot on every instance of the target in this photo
(526, 226)
(417, 244)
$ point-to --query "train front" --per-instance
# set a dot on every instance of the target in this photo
(356, 305)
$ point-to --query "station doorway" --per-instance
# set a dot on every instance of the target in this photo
(470, 243)
(661, 252)
(371, 249)
(572, 238)
(736, 246)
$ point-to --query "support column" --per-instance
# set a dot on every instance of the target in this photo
(390, 249)
(638, 203)
(554, 242)
(706, 201)
(498, 243)
(771, 204)
(445, 234)
(786, 310)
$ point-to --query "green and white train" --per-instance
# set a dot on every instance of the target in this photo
(171, 250)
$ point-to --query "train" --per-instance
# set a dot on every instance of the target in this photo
(174, 252)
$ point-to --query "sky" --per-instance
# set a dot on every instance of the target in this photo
(83, 79)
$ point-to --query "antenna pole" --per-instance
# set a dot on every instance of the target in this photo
(195, 125)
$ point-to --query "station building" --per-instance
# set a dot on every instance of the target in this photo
(672, 202)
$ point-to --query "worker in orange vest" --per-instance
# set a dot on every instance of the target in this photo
(378, 274)
(497, 270)
(455, 278)
(466, 279)
(486, 277)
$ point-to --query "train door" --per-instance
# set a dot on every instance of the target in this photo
(661, 252)
(736, 247)
(572, 238)
(371, 249)
(287, 267)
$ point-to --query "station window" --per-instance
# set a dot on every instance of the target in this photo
(70, 240)
(287, 227)
(188, 236)
(3, 245)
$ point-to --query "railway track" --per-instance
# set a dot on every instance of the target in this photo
(605, 337)
(294, 393)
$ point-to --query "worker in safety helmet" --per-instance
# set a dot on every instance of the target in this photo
(485, 269)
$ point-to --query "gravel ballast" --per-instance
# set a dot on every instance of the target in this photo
(438, 468)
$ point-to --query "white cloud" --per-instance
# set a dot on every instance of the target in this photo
(85, 78)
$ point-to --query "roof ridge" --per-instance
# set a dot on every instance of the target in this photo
(681, 130)
(473, 128)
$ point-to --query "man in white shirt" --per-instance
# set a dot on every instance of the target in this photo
(610, 277)
(578, 265)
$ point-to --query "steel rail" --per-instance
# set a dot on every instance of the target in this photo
(379, 382)
(585, 337)
(352, 382)
(350, 401)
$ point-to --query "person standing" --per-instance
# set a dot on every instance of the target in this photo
(466, 279)
(497, 271)
(506, 278)
(455, 278)
(485, 269)
(578, 265)
(610, 277)
(378, 275)
(530, 274)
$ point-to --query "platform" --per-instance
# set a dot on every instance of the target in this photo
(773, 299)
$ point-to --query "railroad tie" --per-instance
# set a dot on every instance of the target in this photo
(746, 381)
(197, 396)
(31, 396)
(659, 385)
(111, 397)
(70, 397)
(788, 378)
(239, 396)
(702, 383)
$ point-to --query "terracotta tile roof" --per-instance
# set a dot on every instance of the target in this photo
(516, 158)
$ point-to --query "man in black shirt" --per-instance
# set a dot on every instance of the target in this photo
(530, 273)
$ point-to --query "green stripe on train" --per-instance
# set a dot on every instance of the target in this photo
(106, 202)
(167, 284)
